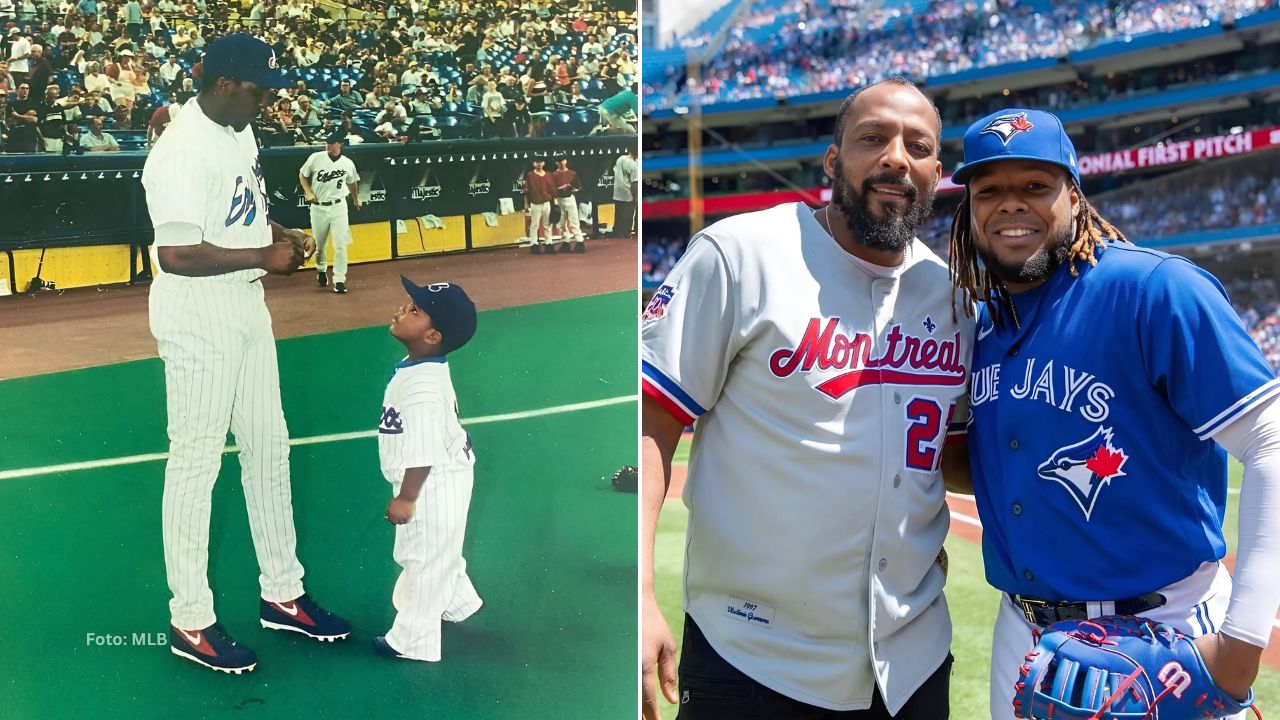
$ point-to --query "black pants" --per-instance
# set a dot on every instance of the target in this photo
(712, 689)
(624, 218)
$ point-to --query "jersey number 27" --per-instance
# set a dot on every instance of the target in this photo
(925, 431)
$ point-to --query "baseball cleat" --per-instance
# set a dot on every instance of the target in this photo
(536, 249)
(340, 288)
(579, 247)
(563, 247)
(383, 648)
(321, 278)
(212, 648)
(302, 615)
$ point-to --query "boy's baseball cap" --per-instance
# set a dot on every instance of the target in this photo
(244, 57)
(1017, 134)
(452, 312)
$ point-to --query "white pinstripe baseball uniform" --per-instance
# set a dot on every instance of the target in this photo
(420, 428)
(214, 335)
(823, 390)
(329, 179)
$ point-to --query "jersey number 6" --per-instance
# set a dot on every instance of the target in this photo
(924, 433)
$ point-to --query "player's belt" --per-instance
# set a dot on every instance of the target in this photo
(1047, 612)
(326, 204)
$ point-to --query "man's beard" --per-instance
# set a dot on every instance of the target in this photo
(896, 229)
(1043, 262)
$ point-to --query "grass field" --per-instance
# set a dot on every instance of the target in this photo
(550, 546)
(972, 602)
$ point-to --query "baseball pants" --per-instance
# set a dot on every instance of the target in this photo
(330, 222)
(570, 228)
(220, 370)
(712, 689)
(1196, 605)
(433, 583)
(540, 223)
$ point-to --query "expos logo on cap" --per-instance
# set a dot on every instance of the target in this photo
(243, 57)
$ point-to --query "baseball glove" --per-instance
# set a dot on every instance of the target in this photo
(1118, 666)
(625, 480)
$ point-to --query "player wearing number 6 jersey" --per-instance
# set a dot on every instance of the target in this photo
(820, 355)
(327, 179)
(427, 457)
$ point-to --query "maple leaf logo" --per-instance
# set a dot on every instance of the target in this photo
(1006, 126)
(1106, 463)
(1085, 468)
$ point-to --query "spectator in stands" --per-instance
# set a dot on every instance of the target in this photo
(133, 19)
(169, 71)
(421, 103)
(572, 95)
(8, 83)
(517, 122)
(308, 116)
(71, 103)
(23, 120)
(538, 109)
(41, 70)
(52, 120)
(98, 141)
(615, 110)
(346, 99)
(19, 54)
(494, 107)
(475, 92)
(94, 79)
(95, 105)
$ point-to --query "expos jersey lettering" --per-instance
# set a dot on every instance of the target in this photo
(1081, 418)
(244, 205)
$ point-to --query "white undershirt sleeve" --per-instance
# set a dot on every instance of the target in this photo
(1254, 439)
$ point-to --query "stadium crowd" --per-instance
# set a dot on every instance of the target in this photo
(799, 47)
(403, 71)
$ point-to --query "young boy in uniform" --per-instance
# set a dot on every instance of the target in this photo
(426, 456)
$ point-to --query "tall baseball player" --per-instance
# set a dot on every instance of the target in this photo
(819, 355)
(567, 187)
(427, 458)
(327, 179)
(539, 191)
(1108, 380)
(208, 204)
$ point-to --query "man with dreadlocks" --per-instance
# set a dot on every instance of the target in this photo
(822, 358)
(1108, 380)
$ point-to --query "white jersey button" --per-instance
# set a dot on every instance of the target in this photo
(883, 563)
(897, 480)
(1013, 444)
(1017, 509)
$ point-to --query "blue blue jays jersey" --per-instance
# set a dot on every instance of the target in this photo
(1090, 445)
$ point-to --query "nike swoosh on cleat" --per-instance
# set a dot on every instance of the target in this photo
(291, 611)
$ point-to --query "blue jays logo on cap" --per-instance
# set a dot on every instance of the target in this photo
(1017, 134)
(1006, 126)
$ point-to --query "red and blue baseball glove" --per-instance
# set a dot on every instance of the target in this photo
(1117, 667)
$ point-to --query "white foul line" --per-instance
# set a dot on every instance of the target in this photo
(336, 437)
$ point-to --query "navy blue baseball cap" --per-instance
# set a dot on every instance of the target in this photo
(337, 136)
(1017, 134)
(451, 311)
(243, 57)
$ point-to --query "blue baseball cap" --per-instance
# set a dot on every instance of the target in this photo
(243, 57)
(1017, 134)
(337, 136)
(451, 311)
